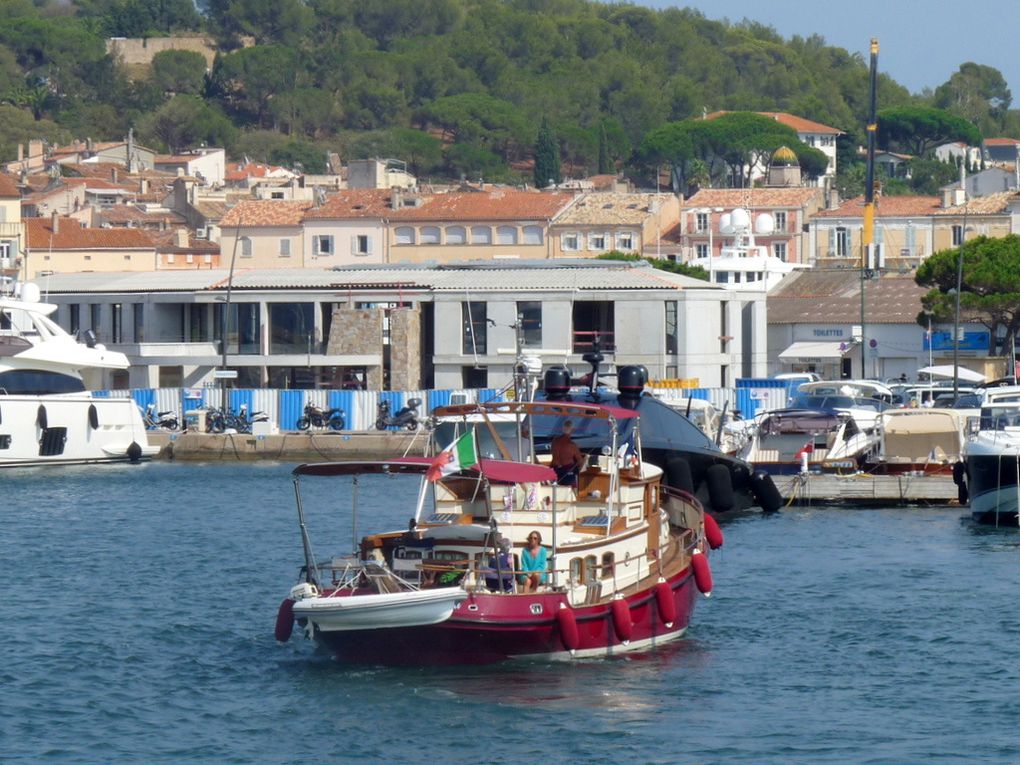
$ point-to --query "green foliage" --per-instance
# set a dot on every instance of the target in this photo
(672, 266)
(19, 126)
(977, 93)
(140, 18)
(990, 292)
(547, 158)
(915, 130)
(184, 122)
(927, 176)
(179, 71)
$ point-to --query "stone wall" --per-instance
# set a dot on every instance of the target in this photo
(358, 331)
(136, 51)
(405, 349)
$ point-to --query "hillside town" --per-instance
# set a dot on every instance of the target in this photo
(369, 274)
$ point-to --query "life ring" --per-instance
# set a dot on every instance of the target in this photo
(622, 622)
(720, 487)
(284, 621)
(765, 491)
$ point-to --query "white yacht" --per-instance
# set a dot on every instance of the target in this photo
(744, 264)
(47, 415)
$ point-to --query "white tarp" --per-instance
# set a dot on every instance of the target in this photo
(946, 371)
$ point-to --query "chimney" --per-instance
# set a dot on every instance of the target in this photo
(21, 152)
(181, 238)
(396, 198)
(88, 145)
(143, 186)
(947, 197)
(833, 198)
(55, 222)
(35, 148)
(113, 174)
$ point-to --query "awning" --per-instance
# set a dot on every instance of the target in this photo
(810, 349)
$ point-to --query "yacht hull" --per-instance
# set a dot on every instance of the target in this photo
(70, 429)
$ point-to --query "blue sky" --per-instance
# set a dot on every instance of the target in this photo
(921, 42)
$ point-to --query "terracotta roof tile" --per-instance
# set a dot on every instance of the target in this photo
(490, 204)
(755, 198)
(71, 235)
(610, 209)
(1001, 142)
(804, 296)
(8, 188)
(799, 124)
(266, 213)
(886, 207)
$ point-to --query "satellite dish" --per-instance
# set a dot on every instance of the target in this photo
(764, 224)
(725, 223)
(741, 219)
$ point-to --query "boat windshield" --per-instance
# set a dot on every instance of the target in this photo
(1000, 417)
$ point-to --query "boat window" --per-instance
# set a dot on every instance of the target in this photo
(37, 382)
(5, 441)
(608, 561)
(575, 570)
(591, 569)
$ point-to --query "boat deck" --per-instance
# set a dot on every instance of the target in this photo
(867, 490)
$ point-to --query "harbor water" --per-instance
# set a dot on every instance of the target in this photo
(139, 605)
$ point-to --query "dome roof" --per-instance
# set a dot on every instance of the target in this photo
(784, 156)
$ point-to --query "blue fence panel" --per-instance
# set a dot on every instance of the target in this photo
(242, 396)
(143, 397)
(701, 394)
(101, 393)
(437, 398)
(747, 403)
(343, 399)
(291, 406)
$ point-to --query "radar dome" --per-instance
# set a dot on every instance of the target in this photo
(725, 223)
(764, 224)
(29, 292)
(741, 218)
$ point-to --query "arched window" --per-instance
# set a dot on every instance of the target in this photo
(430, 235)
(532, 235)
(456, 235)
(506, 235)
(404, 235)
(481, 235)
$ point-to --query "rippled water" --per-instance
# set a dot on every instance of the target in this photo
(139, 604)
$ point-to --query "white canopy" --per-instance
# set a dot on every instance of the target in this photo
(808, 349)
(946, 371)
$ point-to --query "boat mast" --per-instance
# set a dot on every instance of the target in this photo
(311, 573)
(868, 233)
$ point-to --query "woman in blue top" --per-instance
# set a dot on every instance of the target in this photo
(534, 561)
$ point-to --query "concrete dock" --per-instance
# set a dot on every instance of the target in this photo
(309, 446)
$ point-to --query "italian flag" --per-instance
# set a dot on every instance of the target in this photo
(459, 455)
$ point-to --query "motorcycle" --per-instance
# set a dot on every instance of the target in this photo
(242, 421)
(334, 419)
(406, 417)
(153, 419)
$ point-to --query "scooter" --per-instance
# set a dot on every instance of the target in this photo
(406, 417)
(153, 419)
(334, 419)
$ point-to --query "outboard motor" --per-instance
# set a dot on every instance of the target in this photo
(556, 382)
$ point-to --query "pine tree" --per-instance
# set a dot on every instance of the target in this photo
(547, 157)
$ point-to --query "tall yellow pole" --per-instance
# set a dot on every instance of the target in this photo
(868, 232)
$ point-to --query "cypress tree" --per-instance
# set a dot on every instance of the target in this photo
(605, 164)
(547, 157)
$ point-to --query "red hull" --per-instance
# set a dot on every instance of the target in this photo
(489, 628)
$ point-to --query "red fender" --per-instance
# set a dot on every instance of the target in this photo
(284, 621)
(568, 627)
(622, 622)
(702, 573)
(713, 533)
(667, 605)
